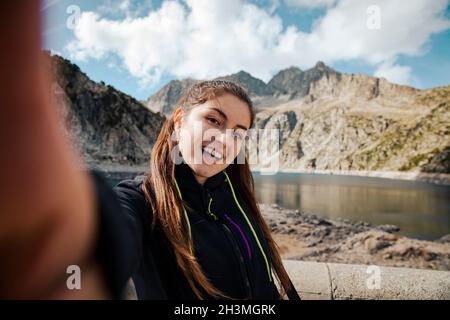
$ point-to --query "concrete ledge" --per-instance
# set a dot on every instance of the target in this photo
(332, 281)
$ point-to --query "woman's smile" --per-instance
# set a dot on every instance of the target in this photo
(211, 155)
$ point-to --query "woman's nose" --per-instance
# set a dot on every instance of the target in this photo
(222, 140)
(225, 136)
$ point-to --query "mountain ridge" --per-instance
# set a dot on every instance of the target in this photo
(336, 121)
(286, 85)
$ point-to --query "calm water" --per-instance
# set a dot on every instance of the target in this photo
(420, 209)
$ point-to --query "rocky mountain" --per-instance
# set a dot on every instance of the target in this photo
(325, 120)
(255, 86)
(350, 122)
(165, 99)
(104, 124)
(295, 83)
(287, 85)
(329, 120)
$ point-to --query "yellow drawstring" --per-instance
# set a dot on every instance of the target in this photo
(251, 227)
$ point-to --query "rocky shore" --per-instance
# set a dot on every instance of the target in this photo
(307, 237)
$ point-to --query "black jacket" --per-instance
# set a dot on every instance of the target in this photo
(224, 244)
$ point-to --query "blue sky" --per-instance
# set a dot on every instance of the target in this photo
(138, 46)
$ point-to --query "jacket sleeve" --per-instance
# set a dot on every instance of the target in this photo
(151, 283)
(119, 235)
(132, 203)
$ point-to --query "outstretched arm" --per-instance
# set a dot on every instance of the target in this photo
(47, 207)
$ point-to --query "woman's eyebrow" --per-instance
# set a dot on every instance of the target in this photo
(226, 118)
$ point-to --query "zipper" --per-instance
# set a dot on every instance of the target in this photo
(244, 272)
(242, 265)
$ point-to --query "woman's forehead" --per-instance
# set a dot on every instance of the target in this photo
(236, 111)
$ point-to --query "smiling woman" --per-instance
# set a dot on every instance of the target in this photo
(201, 231)
(214, 131)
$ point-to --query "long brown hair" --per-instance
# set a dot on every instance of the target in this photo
(166, 204)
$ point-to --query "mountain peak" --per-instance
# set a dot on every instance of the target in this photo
(296, 83)
(321, 66)
(254, 85)
(243, 73)
(164, 100)
(293, 69)
(286, 80)
(240, 75)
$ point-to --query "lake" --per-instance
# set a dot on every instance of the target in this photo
(420, 209)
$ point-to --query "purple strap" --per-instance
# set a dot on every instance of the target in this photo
(242, 234)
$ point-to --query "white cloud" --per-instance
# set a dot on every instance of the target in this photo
(394, 73)
(207, 38)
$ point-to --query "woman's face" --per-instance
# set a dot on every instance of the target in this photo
(212, 134)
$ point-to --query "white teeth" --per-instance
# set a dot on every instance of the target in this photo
(213, 152)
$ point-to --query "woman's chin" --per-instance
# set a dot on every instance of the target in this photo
(205, 170)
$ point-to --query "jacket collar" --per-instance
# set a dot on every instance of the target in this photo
(186, 179)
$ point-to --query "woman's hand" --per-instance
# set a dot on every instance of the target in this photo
(47, 207)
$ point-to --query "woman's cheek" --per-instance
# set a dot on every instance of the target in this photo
(230, 154)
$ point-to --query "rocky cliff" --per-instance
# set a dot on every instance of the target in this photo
(107, 126)
(350, 122)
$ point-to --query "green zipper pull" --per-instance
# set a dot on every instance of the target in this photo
(209, 210)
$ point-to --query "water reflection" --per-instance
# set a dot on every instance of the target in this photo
(420, 209)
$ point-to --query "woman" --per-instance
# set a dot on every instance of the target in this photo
(200, 231)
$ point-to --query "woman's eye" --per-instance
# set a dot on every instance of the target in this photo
(213, 121)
